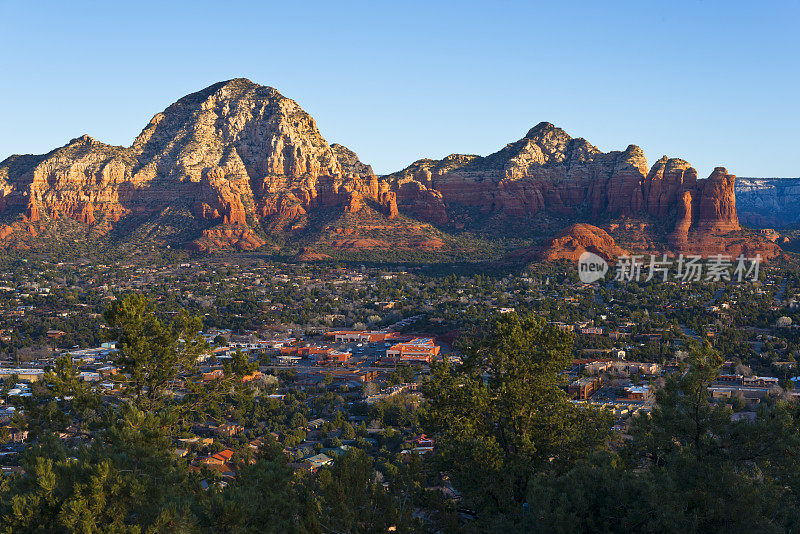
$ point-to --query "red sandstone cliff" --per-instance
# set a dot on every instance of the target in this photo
(549, 172)
(241, 163)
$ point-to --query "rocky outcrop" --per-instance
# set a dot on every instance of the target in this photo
(708, 208)
(707, 222)
(569, 244)
(768, 202)
(389, 203)
(716, 205)
(665, 184)
(225, 237)
(356, 202)
(549, 172)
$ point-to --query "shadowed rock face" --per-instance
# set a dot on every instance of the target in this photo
(245, 162)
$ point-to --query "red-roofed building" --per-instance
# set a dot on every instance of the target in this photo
(416, 350)
(219, 458)
(421, 444)
(213, 375)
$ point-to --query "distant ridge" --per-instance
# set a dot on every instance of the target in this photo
(769, 202)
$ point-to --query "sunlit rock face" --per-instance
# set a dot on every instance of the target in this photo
(241, 163)
(234, 154)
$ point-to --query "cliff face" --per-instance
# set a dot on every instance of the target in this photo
(768, 202)
(245, 164)
(547, 170)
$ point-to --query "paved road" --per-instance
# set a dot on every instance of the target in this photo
(689, 332)
(717, 294)
(781, 291)
(322, 367)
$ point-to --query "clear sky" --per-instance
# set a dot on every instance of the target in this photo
(715, 83)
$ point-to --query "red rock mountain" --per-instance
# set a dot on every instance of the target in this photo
(239, 157)
(549, 173)
(237, 166)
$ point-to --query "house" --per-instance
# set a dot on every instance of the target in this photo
(644, 368)
(108, 370)
(637, 393)
(597, 366)
(213, 375)
(319, 460)
(89, 376)
(747, 393)
(224, 469)
(219, 458)
(288, 360)
(315, 424)
(592, 331)
(421, 444)
(752, 381)
(761, 381)
(229, 429)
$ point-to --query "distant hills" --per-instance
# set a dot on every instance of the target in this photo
(769, 202)
(237, 167)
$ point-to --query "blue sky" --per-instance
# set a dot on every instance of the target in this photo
(715, 83)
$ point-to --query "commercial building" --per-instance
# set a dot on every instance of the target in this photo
(417, 350)
(363, 336)
(584, 388)
(23, 374)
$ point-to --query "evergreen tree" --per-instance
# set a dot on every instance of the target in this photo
(152, 353)
(505, 416)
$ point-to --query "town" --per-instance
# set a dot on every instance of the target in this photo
(339, 353)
